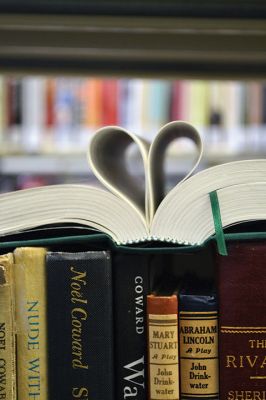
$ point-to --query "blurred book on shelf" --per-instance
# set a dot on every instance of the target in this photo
(56, 116)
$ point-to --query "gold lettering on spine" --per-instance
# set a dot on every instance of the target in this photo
(246, 395)
(79, 314)
(199, 353)
(163, 357)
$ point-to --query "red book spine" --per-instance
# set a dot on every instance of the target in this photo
(110, 102)
(50, 101)
(163, 376)
(242, 330)
(176, 99)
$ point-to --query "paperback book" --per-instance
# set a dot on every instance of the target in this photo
(130, 212)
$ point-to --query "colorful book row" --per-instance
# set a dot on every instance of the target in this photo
(87, 326)
(39, 113)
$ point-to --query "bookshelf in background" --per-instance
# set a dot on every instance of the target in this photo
(46, 122)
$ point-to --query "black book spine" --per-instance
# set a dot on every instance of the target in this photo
(80, 326)
(131, 285)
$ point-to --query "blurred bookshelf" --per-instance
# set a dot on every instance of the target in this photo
(69, 68)
(47, 122)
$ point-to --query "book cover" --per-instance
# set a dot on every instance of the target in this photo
(7, 329)
(163, 361)
(242, 321)
(131, 285)
(30, 299)
(80, 327)
(198, 344)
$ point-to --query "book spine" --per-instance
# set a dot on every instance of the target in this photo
(49, 103)
(95, 99)
(30, 298)
(242, 321)
(163, 347)
(7, 330)
(198, 341)
(13, 111)
(110, 102)
(160, 96)
(175, 105)
(131, 285)
(80, 325)
(3, 110)
(33, 113)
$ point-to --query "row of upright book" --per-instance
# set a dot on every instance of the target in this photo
(107, 324)
(56, 113)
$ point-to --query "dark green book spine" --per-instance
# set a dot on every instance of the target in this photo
(198, 346)
(80, 326)
(131, 286)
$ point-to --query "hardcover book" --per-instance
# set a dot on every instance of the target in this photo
(30, 300)
(198, 343)
(130, 288)
(242, 321)
(163, 361)
(80, 325)
(143, 212)
(8, 386)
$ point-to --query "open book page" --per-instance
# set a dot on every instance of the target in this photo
(130, 214)
(107, 156)
(185, 215)
(66, 203)
(157, 154)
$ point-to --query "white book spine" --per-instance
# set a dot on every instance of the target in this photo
(33, 113)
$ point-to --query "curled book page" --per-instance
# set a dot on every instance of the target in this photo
(132, 212)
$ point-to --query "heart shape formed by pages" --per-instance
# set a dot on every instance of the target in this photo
(130, 214)
(107, 157)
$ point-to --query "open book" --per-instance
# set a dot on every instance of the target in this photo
(130, 214)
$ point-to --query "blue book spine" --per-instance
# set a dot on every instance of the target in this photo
(198, 341)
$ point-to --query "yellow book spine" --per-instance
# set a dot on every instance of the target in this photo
(30, 294)
(199, 354)
(7, 330)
